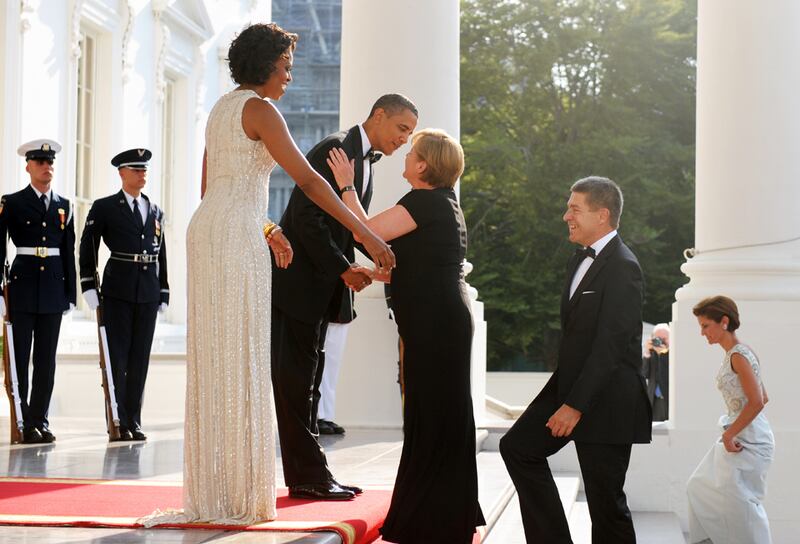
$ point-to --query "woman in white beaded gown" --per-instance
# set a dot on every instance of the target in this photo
(728, 486)
(229, 433)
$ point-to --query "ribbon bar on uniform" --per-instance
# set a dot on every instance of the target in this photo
(41, 252)
(135, 257)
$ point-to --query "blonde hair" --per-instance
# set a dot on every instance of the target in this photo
(443, 155)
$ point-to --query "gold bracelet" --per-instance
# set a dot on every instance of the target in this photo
(268, 228)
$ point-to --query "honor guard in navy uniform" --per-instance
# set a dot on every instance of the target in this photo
(41, 281)
(134, 287)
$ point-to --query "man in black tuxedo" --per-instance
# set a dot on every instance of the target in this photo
(316, 288)
(597, 396)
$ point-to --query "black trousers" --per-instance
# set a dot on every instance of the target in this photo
(525, 449)
(41, 330)
(130, 327)
(298, 358)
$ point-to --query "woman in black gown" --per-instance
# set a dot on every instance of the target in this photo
(435, 496)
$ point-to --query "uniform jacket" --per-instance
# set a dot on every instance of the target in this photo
(39, 285)
(311, 288)
(599, 359)
(112, 220)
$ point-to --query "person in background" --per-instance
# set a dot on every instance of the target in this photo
(41, 282)
(135, 287)
(655, 366)
(727, 489)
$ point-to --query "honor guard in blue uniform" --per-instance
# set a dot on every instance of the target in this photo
(134, 287)
(41, 281)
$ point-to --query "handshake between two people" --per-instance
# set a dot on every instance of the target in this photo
(358, 277)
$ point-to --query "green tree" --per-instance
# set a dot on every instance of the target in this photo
(553, 91)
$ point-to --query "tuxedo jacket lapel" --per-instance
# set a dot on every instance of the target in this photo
(367, 198)
(598, 264)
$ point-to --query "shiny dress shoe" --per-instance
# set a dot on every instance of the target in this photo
(352, 488)
(32, 436)
(47, 436)
(329, 427)
(124, 436)
(329, 491)
(137, 434)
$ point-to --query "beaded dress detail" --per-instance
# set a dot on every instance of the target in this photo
(229, 432)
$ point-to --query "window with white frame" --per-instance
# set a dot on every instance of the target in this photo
(167, 147)
(85, 132)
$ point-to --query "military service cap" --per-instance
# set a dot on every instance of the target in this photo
(135, 159)
(39, 149)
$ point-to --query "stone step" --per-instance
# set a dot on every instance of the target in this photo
(651, 527)
(507, 527)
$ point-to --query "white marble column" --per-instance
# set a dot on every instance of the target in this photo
(747, 207)
(412, 48)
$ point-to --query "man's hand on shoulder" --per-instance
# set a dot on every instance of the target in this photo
(563, 421)
(355, 277)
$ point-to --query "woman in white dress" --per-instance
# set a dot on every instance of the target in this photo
(229, 432)
(727, 488)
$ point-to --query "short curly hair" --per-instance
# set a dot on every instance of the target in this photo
(255, 50)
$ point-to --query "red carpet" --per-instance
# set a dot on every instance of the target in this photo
(119, 503)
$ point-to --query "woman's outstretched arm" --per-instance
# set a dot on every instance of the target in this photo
(262, 119)
(388, 224)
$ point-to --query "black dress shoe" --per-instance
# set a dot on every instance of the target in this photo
(337, 429)
(137, 434)
(124, 436)
(324, 427)
(322, 492)
(352, 488)
(47, 436)
(32, 436)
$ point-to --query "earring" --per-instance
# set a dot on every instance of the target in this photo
(725, 326)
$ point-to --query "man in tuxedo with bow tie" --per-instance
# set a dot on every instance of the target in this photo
(597, 396)
(316, 289)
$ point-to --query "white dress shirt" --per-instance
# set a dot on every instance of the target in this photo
(587, 261)
(39, 196)
(365, 146)
(144, 208)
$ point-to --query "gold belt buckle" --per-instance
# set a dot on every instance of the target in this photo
(41, 252)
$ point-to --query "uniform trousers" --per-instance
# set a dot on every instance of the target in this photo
(298, 360)
(525, 449)
(41, 330)
(130, 327)
(335, 342)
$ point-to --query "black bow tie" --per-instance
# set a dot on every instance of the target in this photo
(582, 253)
(372, 156)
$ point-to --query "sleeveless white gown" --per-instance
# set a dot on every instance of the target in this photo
(229, 432)
(727, 489)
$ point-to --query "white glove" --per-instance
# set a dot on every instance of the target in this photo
(91, 299)
(2, 306)
(162, 307)
(68, 310)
